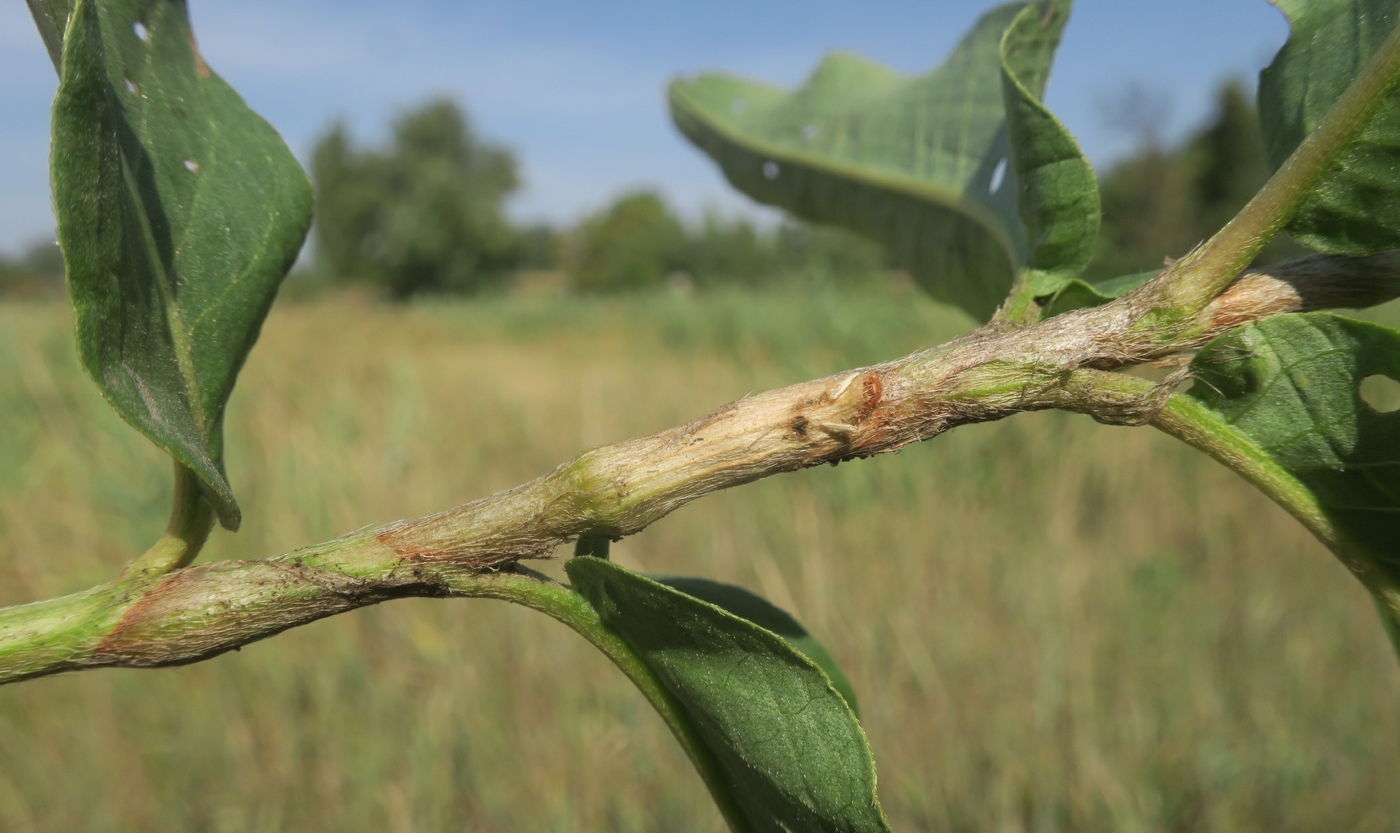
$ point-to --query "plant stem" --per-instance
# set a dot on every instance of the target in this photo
(1188, 420)
(1197, 278)
(191, 521)
(162, 612)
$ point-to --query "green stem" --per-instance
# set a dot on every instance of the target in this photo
(191, 521)
(532, 590)
(1197, 278)
(1191, 422)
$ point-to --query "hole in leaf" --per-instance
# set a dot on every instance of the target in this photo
(1381, 394)
(130, 85)
(770, 170)
(192, 166)
(809, 132)
(998, 177)
(738, 106)
(141, 31)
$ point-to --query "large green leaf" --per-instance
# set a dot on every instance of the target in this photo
(1059, 194)
(1356, 208)
(792, 754)
(1291, 385)
(922, 164)
(179, 211)
(770, 617)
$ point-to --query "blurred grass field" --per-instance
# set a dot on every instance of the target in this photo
(1052, 625)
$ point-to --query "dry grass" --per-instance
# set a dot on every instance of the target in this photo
(1053, 626)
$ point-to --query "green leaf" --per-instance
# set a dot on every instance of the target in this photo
(1058, 197)
(1065, 294)
(766, 615)
(1291, 385)
(921, 164)
(791, 751)
(1356, 207)
(179, 212)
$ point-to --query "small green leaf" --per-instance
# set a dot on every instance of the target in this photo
(1356, 208)
(1060, 294)
(790, 748)
(1291, 385)
(921, 164)
(180, 211)
(1059, 194)
(768, 616)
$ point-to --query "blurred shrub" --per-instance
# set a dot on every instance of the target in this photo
(423, 214)
(36, 273)
(1162, 201)
(639, 243)
(633, 244)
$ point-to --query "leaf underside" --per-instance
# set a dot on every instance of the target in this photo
(922, 164)
(1291, 384)
(1356, 208)
(179, 212)
(792, 754)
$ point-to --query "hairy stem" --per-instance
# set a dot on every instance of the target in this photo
(160, 612)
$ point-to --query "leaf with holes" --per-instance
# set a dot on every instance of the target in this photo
(1292, 386)
(792, 754)
(179, 211)
(922, 164)
(1356, 207)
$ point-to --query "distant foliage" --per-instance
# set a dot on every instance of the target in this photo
(38, 272)
(639, 243)
(1168, 199)
(423, 214)
(633, 244)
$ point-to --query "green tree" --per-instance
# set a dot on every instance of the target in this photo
(633, 244)
(423, 214)
(1167, 200)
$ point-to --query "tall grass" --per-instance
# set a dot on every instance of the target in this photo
(1053, 625)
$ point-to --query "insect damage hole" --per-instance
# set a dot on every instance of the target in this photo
(998, 177)
(770, 170)
(738, 106)
(192, 166)
(809, 132)
(130, 85)
(141, 31)
(1380, 393)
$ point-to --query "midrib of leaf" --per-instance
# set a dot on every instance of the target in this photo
(945, 197)
(179, 338)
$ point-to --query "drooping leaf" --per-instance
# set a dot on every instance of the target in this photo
(1291, 384)
(921, 164)
(1058, 197)
(179, 211)
(768, 616)
(1356, 208)
(792, 753)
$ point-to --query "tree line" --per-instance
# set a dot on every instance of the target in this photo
(424, 213)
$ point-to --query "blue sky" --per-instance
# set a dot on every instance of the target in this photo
(576, 89)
